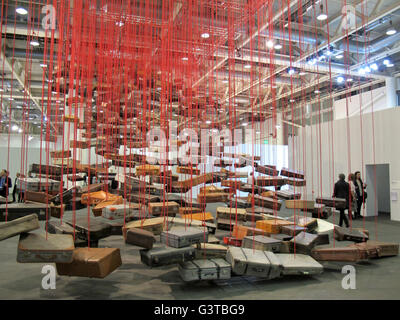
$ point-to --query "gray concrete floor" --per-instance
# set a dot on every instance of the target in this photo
(377, 279)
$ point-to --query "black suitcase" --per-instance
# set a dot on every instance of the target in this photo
(97, 229)
(162, 256)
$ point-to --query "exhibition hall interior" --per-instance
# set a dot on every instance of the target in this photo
(199, 150)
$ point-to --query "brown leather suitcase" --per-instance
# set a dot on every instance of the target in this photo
(267, 170)
(293, 230)
(169, 208)
(155, 225)
(18, 226)
(231, 213)
(299, 204)
(233, 184)
(226, 224)
(348, 254)
(143, 198)
(295, 182)
(288, 194)
(270, 181)
(273, 226)
(79, 144)
(61, 154)
(40, 197)
(140, 237)
(56, 211)
(387, 249)
(267, 202)
(263, 243)
(188, 170)
(342, 234)
(338, 203)
(212, 197)
(91, 262)
(292, 173)
(304, 242)
(189, 210)
(367, 250)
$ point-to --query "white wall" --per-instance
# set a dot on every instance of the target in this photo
(323, 151)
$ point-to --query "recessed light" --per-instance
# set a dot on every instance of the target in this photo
(119, 24)
(34, 43)
(14, 128)
(185, 59)
(43, 65)
(205, 35)
(391, 31)
(317, 91)
(278, 46)
(339, 56)
(270, 44)
(322, 16)
(22, 11)
(340, 79)
(247, 66)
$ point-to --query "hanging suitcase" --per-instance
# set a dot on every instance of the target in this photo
(232, 241)
(295, 182)
(212, 197)
(179, 237)
(251, 262)
(58, 227)
(66, 196)
(227, 224)
(187, 210)
(143, 198)
(91, 263)
(288, 194)
(309, 223)
(272, 226)
(267, 170)
(299, 264)
(342, 234)
(299, 204)
(235, 202)
(40, 197)
(42, 248)
(262, 243)
(140, 237)
(116, 211)
(387, 249)
(231, 213)
(162, 256)
(304, 242)
(96, 230)
(169, 208)
(270, 181)
(57, 211)
(203, 216)
(292, 173)
(18, 226)
(345, 254)
(367, 251)
(210, 227)
(292, 230)
(281, 236)
(338, 203)
(155, 225)
(210, 250)
(204, 269)
(260, 210)
(267, 202)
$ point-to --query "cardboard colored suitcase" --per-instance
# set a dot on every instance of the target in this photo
(251, 262)
(346, 254)
(231, 213)
(202, 216)
(179, 237)
(267, 202)
(272, 226)
(169, 208)
(140, 237)
(338, 203)
(204, 269)
(342, 234)
(155, 225)
(42, 248)
(18, 226)
(96, 230)
(212, 197)
(187, 210)
(262, 243)
(288, 194)
(208, 250)
(299, 204)
(299, 264)
(387, 249)
(162, 256)
(293, 230)
(91, 263)
(292, 173)
(304, 242)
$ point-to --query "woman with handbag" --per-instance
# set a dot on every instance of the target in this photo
(360, 191)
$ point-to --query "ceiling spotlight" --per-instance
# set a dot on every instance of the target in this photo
(278, 126)
(291, 71)
(322, 16)
(30, 138)
(317, 91)
(185, 59)
(374, 66)
(247, 66)
(14, 128)
(21, 10)
(208, 122)
(270, 44)
(339, 56)
(349, 80)
(205, 35)
(34, 43)
(278, 46)
(244, 124)
(119, 23)
(340, 79)
(391, 31)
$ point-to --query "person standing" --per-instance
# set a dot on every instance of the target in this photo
(15, 186)
(352, 197)
(7, 184)
(361, 194)
(341, 190)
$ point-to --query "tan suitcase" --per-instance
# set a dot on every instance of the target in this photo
(231, 213)
(18, 226)
(154, 225)
(299, 204)
(169, 208)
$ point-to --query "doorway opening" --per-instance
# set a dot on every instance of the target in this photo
(379, 175)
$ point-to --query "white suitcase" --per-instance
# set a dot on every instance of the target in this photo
(205, 269)
(116, 211)
(299, 264)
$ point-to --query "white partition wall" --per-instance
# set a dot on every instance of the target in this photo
(349, 145)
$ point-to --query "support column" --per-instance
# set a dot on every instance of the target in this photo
(279, 129)
(391, 94)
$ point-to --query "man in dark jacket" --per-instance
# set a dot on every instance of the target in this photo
(7, 184)
(341, 190)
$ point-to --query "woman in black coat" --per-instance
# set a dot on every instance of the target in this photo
(361, 194)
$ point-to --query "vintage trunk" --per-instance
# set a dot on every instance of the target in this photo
(299, 264)
(342, 234)
(267, 202)
(17, 226)
(207, 250)
(167, 255)
(231, 213)
(179, 237)
(169, 208)
(96, 230)
(299, 204)
(346, 254)
(272, 226)
(293, 230)
(288, 194)
(251, 262)
(42, 248)
(155, 225)
(304, 242)
(91, 263)
(205, 269)
(140, 237)
(262, 243)
(338, 203)
(292, 173)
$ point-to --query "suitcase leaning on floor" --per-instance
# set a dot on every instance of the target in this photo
(342, 234)
(140, 237)
(262, 243)
(345, 254)
(387, 249)
(179, 237)
(304, 242)
(251, 262)
(204, 269)
(37, 248)
(162, 256)
(91, 263)
(17, 226)
(298, 264)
